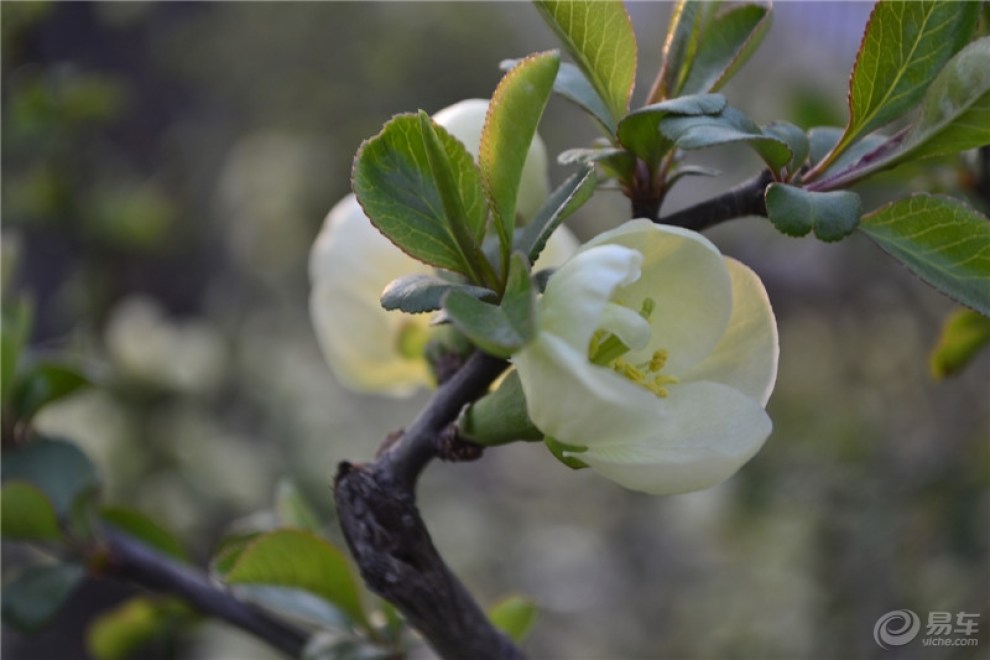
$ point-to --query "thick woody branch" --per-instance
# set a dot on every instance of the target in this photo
(131, 560)
(743, 200)
(386, 534)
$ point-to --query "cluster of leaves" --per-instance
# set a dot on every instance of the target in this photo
(50, 500)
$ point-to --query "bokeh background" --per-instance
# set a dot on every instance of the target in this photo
(165, 167)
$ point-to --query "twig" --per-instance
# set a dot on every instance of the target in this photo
(131, 560)
(387, 536)
(745, 199)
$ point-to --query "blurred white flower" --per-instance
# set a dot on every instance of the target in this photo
(369, 349)
(143, 344)
(656, 354)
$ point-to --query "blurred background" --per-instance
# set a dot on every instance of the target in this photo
(165, 168)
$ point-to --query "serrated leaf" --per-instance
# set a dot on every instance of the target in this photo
(514, 615)
(26, 514)
(141, 527)
(513, 116)
(58, 468)
(572, 84)
(394, 183)
(903, 49)
(36, 594)
(795, 212)
(964, 334)
(565, 200)
(501, 329)
(703, 131)
(639, 131)
(415, 294)
(728, 38)
(300, 560)
(600, 38)
(941, 240)
(292, 508)
(118, 633)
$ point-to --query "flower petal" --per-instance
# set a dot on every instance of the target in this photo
(578, 292)
(577, 402)
(710, 430)
(746, 356)
(560, 247)
(685, 276)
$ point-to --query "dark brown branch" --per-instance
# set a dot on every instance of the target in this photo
(377, 508)
(131, 560)
(743, 200)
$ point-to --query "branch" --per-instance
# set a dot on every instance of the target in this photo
(134, 561)
(377, 509)
(743, 200)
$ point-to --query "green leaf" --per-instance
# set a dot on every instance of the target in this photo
(702, 131)
(26, 514)
(823, 138)
(300, 560)
(513, 116)
(941, 240)
(679, 50)
(36, 594)
(574, 86)
(964, 334)
(795, 212)
(58, 468)
(499, 417)
(502, 329)
(395, 185)
(639, 130)
(904, 47)
(141, 527)
(229, 551)
(728, 38)
(514, 615)
(44, 384)
(415, 294)
(118, 633)
(600, 38)
(303, 606)
(13, 337)
(292, 508)
(564, 201)
(794, 138)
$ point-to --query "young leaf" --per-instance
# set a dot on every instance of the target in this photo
(394, 183)
(964, 335)
(904, 47)
(795, 139)
(37, 593)
(727, 40)
(58, 468)
(702, 131)
(513, 615)
(513, 115)
(300, 560)
(795, 212)
(501, 329)
(639, 130)
(564, 201)
(600, 38)
(941, 240)
(415, 294)
(822, 139)
(118, 633)
(141, 527)
(574, 86)
(26, 514)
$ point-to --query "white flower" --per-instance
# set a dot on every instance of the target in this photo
(373, 350)
(655, 353)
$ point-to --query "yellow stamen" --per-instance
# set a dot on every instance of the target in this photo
(659, 360)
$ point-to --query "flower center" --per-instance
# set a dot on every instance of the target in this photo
(606, 350)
